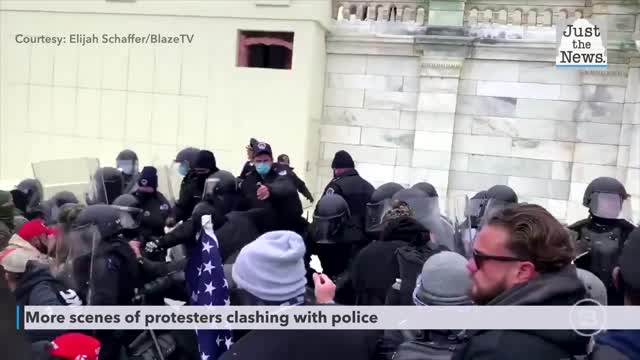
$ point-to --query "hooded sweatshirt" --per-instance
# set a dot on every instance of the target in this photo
(17, 241)
(550, 289)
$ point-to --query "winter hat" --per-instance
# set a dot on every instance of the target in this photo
(262, 148)
(399, 210)
(35, 228)
(14, 259)
(148, 177)
(6, 207)
(74, 346)
(205, 160)
(342, 160)
(444, 281)
(272, 267)
(595, 287)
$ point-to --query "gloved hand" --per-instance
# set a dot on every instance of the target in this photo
(152, 246)
(170, 222)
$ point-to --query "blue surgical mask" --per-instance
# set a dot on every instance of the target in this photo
(183, 169)
(263, 168)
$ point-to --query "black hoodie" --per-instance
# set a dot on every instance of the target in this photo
(555, 289)
(37, 287)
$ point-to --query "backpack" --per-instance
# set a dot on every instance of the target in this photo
(410, 261)
(427, 350)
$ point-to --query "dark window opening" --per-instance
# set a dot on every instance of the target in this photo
(262, 49)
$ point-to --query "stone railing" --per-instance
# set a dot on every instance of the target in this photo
(520, 16)
(414, 12)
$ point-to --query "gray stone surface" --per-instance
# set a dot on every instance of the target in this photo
(390, 100)
(479, 144)
(468, 87)
(372, 82)
(585, 173)
(460, 161)
(596, 154)
(362, 117)
(340, 134)
(408, 120)
(631, 113)
(411, 84)
(547, 73)
(561, 170)
(490, 70)
(486, 105)
(633, 86)
(433, 141)
(519, 90)
(462, 124)
(543, 150)
(346, 64)
(439, 160)
(437, 178)
(553, 189)
(597, 133)
(599, 112)
(387, 137)
(403, 157)
(392, 65)
(546, 109)
(439, 85)
(344, 97)
(437, 102)
(430, 121)
(521, 128)
(368, 154)
(510, 166)
(460, 180)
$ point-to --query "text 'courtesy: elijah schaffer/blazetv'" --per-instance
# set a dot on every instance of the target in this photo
(80, 39)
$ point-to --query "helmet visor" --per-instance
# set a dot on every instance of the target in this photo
(606, 205)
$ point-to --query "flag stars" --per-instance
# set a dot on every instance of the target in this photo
(204, 356)
(206, 246)
(209, 288)
(208, 267)
(228, 342)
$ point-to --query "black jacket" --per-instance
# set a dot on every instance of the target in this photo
(190, 195)
(37, 287)
(300, 185)
(553, 289)
(355, 190)
(283, 201)
(156, 209)
(246, 168)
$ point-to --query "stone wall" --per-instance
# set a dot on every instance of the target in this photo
(465, 117)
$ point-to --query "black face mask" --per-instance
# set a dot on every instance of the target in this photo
(144, 195)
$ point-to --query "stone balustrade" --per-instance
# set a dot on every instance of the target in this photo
(521, 16)
(400, 11)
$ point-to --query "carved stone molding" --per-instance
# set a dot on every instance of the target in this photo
(606, 73)
(440, 67)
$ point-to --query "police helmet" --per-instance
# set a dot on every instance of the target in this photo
(329, 217)
(502, 193)
(64, 197)
(606, 185)
(125, 155)
(429, 189)
(127, 200)
(32, 188)
(109, 220)
(220, 183)
(385, 191)
(188, 155)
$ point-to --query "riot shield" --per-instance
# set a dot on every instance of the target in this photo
(165, 185)
(73, 175)
(492, 207)
(106, 185)
(76, 270)
(465, 225)
(426, 211)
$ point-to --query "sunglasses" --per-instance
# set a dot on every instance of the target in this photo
(479, 258)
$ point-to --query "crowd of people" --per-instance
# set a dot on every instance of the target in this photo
(126, 243)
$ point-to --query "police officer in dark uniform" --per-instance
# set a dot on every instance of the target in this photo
(601, 236)
(192, 186)
(28, 198)
(127, 163)
(348, 184)
(248, 165)
(185, 160)
(269, 186)
(283, 159)
(107, 184)
(106, 272)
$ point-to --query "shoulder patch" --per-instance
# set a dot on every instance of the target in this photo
(164, 207)
(330, 191)
(282, 173)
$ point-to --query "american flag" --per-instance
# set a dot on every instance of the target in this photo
(207, 286)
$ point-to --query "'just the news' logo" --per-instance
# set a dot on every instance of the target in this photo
(581, 44)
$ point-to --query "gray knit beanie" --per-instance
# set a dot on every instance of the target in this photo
(444, 280)
(272, 267)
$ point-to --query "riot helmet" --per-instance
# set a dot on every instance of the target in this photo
(502, 193)
(185, 160)
(379, 204)
(220, 183)
(329, 218)
(32, 189)
(108, 220)
(127, 162)
(429, 189)
(474, 208)
(605, 197)
(58, 201)
(107, 184)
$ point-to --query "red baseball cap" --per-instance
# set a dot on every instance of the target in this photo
(73, 346)
(34, 228)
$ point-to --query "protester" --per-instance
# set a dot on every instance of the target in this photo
(70, 346)
(444, 281)
(522, 256)
(283, 160)
(248, 165)
(271, 271)
(35, 236)
(623, 344)
(6, 218)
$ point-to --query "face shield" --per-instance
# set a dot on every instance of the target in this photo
(606, 205)
(209, 190)
(326, 229)
(375, 212)
(426, 211)
(76, 271)
(127, 167)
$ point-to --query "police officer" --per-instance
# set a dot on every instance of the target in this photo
(28, 198)
(283, 159)
(377, 206)
(127, 163)
(103, 265)
(248, 165)
(185, 160)
(192, 186)
(334, 239)
(269, 186)
(107, 184)
(348, 184)
(601, 236)
(429, 189)
(54, 205)
(466, 230)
